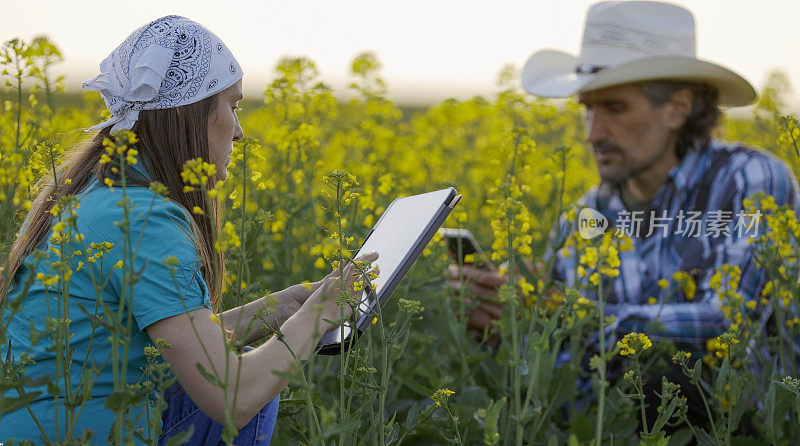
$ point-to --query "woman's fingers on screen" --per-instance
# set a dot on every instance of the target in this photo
(368, 257)
(349, 268)
(365, 262)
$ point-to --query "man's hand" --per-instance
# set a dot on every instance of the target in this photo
(484, 284)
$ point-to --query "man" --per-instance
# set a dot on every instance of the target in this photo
(650, 108)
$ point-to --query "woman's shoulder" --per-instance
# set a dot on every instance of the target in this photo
(103, 208)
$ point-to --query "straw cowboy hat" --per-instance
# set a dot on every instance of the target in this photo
(630, 42)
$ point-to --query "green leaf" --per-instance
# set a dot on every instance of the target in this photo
(664, 417)
(393, 435)
(657, 439)
(722, 377)
(797, 407)
(697, 371)
(411, 417)
(181, 438)
(120, 400)
(582, 427)
(12, 404)
(209, 377)
(625, 395)
(777, 402)
(681, 437)
(703, 439)
(340, 428)
(490, 432)
(567, 378)
(573, 441)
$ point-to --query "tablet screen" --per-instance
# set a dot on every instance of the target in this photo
(398, 232)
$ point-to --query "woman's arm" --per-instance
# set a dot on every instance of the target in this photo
(196, 338)
(257, 381)
(284, 304)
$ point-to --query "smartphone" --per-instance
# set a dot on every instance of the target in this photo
(463, 248)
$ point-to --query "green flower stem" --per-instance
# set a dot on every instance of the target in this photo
(602, 370)
(384, 378)
(459, 441)
(640, 389)
(344, 355)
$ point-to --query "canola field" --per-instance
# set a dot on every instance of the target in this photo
(313, 175)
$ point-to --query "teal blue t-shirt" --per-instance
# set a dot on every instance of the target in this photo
(159, 230)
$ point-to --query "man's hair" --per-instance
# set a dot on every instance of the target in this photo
(703, 117)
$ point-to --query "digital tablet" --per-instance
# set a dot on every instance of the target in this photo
(399, 236)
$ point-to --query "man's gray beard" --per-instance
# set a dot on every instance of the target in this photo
(618, 178)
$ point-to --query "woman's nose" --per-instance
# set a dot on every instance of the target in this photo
(238, 133)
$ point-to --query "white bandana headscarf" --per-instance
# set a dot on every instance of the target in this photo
(169, 62)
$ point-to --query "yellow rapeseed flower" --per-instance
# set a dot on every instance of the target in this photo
(686, 283)
(441, 396)
(228, 238)
(721, 345)
(59, 227)
(634, 344)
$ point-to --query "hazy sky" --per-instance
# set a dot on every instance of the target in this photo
(430, 49)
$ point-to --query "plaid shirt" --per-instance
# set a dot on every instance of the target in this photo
(697, 225)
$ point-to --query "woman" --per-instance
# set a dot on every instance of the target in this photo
(176, 86)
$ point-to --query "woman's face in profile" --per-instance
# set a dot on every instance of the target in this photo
(224, 128)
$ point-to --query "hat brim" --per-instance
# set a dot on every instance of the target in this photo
(551, 74)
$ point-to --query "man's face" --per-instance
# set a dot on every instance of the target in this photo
(630, 136)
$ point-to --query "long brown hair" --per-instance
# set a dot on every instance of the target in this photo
(703, 117)
(167, 139)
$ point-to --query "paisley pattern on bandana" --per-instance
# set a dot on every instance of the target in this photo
(167, 63)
